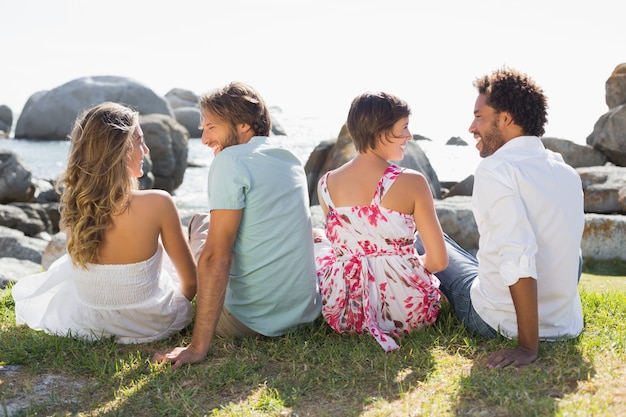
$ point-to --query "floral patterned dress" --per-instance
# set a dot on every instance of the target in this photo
(371, 277)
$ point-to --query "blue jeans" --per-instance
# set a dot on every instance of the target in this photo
(456, 281)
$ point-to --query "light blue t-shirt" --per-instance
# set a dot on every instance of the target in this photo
(273, 282)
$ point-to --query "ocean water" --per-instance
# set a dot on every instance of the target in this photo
(47, 158)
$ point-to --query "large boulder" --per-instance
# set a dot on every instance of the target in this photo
(461, 188)
(609, 132)
(14, 244)
(146, 181)
(327, 156)
(50, 115)
(615, 87)
(604, 188)
(574, 154)
(609, 135)
(179, 97)
(415, 158)
(604, 237)
(6, 120)
(457, 221)
(25, 219)
(15, 178)
(168, 142)
(190, 118)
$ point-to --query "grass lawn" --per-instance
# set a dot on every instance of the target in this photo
(596, 283)
(439, 371)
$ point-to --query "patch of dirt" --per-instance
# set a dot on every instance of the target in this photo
(20, 390)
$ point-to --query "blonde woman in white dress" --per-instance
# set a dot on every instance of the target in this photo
(129, 273)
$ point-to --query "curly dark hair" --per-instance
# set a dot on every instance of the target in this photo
(516, 93)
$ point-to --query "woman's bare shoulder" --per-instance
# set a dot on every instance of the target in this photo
(152, 196)
(153, 201)
(411, 178)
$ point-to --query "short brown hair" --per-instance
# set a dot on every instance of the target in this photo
(371, 114)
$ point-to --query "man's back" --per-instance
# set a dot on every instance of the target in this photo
(272, 284)
(528, 206)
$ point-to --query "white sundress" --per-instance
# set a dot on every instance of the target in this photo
(133, 303)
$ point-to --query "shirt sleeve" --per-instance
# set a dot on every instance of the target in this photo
(228, 183)
(502, 219)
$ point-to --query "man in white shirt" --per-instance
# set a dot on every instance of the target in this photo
(528, 206)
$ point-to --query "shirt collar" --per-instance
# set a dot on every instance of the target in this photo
(526, 142)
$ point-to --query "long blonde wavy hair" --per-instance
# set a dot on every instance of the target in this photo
(96, 184)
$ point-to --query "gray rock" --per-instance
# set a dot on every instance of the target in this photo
(457, 221)
(462, 188)
(179, 97)
(316, 166)
(12, 270)
(190, 118)
(50, 115)
(45, 191)
(415, 158)
(6, 120)
(604, 189)
(146, 181)
(604, 237)
(609, 135)
(456, 141)
(15, 178)
(168, 142)
(575, 155)
(26, 220)
(14, 244)
(615, 87)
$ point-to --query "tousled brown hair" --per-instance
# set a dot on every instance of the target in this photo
(239, 103)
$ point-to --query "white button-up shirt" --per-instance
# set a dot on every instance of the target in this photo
(529, 209)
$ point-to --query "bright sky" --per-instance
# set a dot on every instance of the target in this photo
(311, 57)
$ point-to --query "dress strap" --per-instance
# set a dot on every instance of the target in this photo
(386, 181)
(324, 191)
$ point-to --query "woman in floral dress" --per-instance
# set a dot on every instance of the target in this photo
(371, 277)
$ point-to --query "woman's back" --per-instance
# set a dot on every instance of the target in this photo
(366, 217)
(355, 183)
(134, 233)
(371, 277)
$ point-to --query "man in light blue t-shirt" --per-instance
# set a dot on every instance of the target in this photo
(256, 270)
